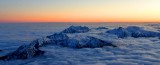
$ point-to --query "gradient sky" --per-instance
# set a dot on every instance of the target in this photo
(79, 10)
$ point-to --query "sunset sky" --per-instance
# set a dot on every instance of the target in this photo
(79, 10)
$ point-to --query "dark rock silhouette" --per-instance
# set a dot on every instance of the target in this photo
(100, 28)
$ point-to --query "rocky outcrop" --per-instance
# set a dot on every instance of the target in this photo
(88, 42)
(133, 31)
(120, 32)
(24, 52)
(141, 32)
(76, 29)
(77, 41)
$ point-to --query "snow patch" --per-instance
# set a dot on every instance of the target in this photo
(24, 52)
(76, 29)
(133, 31)
(78, 41)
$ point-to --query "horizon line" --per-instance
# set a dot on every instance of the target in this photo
(79, 22)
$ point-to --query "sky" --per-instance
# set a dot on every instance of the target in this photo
(79, 10)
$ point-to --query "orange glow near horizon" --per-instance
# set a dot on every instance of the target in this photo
(71, 11)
